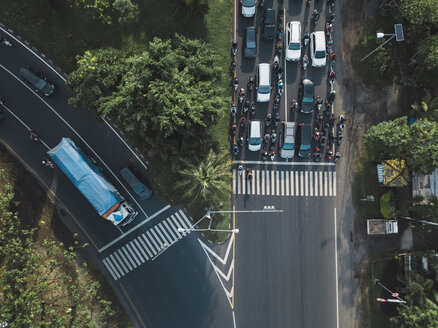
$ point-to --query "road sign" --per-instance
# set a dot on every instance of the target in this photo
(399, 36)
(380, 299)
(395, 294)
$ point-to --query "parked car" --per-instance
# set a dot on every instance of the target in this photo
(250, 42)
(254, 135)
(305, 141)
(268, 20)
(317, 49)
(307, 95)
(38, 81)
(293, 41)
(263, 83)
(287, 140)
(248, 7)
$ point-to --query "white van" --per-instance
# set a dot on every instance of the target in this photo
(317, 49)
(293, 41)
(263, 85)
(255, 135)
(287, 141)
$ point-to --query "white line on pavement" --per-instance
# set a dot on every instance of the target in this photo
(133, 229)
(285, 163)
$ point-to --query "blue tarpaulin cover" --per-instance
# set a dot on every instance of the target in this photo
(70, 159)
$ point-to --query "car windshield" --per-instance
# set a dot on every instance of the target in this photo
(41, 84)
(264, 89)
(294, 46)
(288, 146)
(305, 147)
(248, 3)
(320, 54)
(255, 141)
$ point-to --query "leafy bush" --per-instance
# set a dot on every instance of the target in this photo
(387, 205)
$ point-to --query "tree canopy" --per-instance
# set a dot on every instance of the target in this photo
(417, 144)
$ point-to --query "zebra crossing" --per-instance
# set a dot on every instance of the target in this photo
(144, 247)
(285, 183)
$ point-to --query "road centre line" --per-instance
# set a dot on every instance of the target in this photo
(133, 228)
(286, 163)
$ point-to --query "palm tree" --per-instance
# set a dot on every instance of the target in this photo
(207, 181)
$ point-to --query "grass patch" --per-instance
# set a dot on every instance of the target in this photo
(366, 184)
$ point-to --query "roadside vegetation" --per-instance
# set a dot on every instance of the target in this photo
(155, 68)
(410, 140)
(43, 281)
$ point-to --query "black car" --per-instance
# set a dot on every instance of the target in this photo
(304, 150)
(250, 42)
(269, 24)
(38, 81)
(307, 95)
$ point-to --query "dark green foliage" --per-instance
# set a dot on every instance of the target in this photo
(417, 144)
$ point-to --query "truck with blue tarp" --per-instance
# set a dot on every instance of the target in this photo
(88, 179)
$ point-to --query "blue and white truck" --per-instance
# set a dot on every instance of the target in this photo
(88, 179)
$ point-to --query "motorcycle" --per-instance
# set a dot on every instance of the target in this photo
(235, 149)
(273, 136)
(331, 97)
(328, 110)
(294, 105)
(280, 32)
(233, 67)
(280, 87)
(251, 83)
(318, 155)
(245, 108)
(240, 170)
(328, 153)
(332, 77)
(241, 95)
(235, 83)
(268, 120)
(306, 39)
(322, 140)
(277, 101)
(253, 109)
(241, 142)
(319, 103)
(337, 157)
(277, 119)
(305, 61)
(234, 48)
(339, 140)
(276, 61)
(242, 122)
(33, 136)
(315, 17)
(48, 163)
(308, 3)
(279, 72)
(328, 30)
(5, 42)
(266, 138)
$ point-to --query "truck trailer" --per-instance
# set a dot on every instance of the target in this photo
(88, 179)
(381, 226)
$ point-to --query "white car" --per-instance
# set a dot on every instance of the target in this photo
(317, 49)
(248, 7)
(254, 135)
(263, 83)
(293, 41)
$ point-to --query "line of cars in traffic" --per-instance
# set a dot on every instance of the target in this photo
(293, 43)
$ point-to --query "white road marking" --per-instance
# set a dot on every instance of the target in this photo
(306, 183)
(301, 183)
(133, 229)
(146, 248)
(258, 182)
(262, 181)
(267, 182)
(168, 225)
(110, 269)
(287, 182)
(311, 183)
(320, 184)
(325, 183)
(286, 163)
(334, 183)
(116, 263)
(239, 177)
(272, 182)
(277, 182)
(125, 260)
(252, 183)
(130, 249)
(330, 183)
(140, 248)
(127, 253)
(282, 182)
(157, 247)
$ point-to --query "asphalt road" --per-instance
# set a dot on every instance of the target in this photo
(285, 264)
(179, 287)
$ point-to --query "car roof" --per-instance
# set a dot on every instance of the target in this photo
(250, 31)
(305, 134)
(270, 16)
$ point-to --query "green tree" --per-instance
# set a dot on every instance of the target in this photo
(428, 107)
(428, 53)
(420, 12)
(129, 12)
(388, 139)
(94, 9)
(417, 144)
(208, 181)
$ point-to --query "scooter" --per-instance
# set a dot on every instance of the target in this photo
(279, 72)
(319, 103)
(33, 136)
(277, 119)
(241, 95)
(332, 77)
(5, 42)
(235, 83)
(294, 105)
(253, 110)
(305, 61)
(276, 61)
(48, 163)
(280, 87)
(234, 48)
(306, 39)
(277, 101)
(251, 83)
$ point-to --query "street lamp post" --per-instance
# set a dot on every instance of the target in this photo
(397, 299)
(266, 209)
(398, 35)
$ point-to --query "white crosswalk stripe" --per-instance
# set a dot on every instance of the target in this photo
(286, 183)
(144, 247)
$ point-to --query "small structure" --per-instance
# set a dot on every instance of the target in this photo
(393, 173)
(425, 185)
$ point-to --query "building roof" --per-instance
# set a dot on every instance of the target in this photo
(395, 173)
